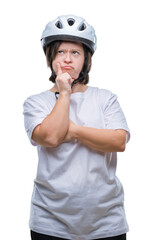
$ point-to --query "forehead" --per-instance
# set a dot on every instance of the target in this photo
(71, 45)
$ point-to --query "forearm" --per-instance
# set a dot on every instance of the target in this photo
(54, 127)
(103, 140)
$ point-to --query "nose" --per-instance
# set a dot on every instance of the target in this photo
(68, 58)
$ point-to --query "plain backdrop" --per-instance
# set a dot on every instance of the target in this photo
(123, 63)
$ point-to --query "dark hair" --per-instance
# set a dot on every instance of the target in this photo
(51, 51)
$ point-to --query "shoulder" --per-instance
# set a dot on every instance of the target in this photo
(101, 91)
(103, 96)
(37, 97)
(40, 99)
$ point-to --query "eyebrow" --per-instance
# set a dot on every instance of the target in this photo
(72, 49)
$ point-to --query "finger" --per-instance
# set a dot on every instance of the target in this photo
(71, 80)
(59, 70)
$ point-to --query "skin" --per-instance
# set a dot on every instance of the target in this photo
(67, 65)
(69, 55)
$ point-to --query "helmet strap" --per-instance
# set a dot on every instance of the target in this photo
(51, 60)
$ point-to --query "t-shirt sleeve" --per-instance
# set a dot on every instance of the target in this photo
(114, 116)
(34, 113)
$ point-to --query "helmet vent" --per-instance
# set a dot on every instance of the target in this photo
(82, 27)
(59, 25)
(71, 21)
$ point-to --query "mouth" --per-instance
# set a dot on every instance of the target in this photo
(67, 67)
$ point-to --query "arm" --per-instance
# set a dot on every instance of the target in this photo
(54, 127)
(103, 140)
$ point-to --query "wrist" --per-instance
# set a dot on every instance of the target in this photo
(76, 130)
(65, 94)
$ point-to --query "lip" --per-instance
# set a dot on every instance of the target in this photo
(67, 67)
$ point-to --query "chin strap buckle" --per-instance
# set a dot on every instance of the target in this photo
(56, 93)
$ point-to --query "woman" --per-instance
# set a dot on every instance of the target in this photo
(78, 131)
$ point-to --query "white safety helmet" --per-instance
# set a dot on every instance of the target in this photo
(69, 27)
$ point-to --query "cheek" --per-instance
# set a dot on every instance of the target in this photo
(80, 66)
(54, 65)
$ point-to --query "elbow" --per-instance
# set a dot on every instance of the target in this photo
(52, 142)
(121, 140)
(121, 147)
(117, 148)
(45, 139)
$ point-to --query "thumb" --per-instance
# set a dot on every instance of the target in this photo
(59, 70)
(71, 81)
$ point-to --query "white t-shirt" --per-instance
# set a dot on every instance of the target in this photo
(76, 192)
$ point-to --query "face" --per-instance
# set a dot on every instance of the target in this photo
(70, 55)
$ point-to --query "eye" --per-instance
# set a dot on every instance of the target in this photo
(75, 52)
(60, 52)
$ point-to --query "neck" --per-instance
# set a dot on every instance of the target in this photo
(78, 87)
